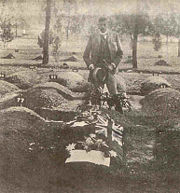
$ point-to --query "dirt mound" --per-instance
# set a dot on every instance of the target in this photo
(160, 56)
(38, 98)
(57, 115)
(15, 121)
(121, 83)
(34, 156)
(65, 66)
(43, 97)
(24, 79)
(73, 81)
(70, 59)
(164, 102)
(64, 91)
(21, 131)
(84, 74)
(6, 87)
(133, 81)
(167, 143)
(20, 114)
(9, 56)
(161, 63)
(152, 83)
(38, 58)
(9, 100)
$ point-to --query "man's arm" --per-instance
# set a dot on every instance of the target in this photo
(87, 52)
(119, 52)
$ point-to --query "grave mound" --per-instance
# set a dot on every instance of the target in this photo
(163, 102)
(6, 87)
(74, 81)
(152, 83)
(24, 79)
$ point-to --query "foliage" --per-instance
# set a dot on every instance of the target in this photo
(57, 28)
(21, 22)
(11, 18)
(133, 25)
(58, 24)
(129, 23)
(157, 42)
(177, 32)
(76, 24)
(166, 24)
(69, 6)
(6, 31)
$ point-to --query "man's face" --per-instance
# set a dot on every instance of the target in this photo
(102, 26)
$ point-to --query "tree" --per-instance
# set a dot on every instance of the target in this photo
(57, 32)
(6, 35)
(177, 34)
(6, 23)
(157, 42)
(69, 6)
(166, 24)
(134, 25)
(46, 38)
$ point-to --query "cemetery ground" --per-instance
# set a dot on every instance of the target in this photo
(32, 148)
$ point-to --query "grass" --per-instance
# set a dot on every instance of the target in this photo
(143, 173)
(28, 49)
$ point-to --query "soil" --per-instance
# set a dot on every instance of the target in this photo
(7, 87)
(33, 148)
(73, 80)
(164, 101)
(153, 83)
(24, 79)
(70, 59)
(161, 63)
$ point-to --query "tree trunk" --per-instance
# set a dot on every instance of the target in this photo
(134, 50)
(16, 30)
(167, 47)
(46, 38)
(167, 39)
(179, 47)
(67, 33)
(67, 30)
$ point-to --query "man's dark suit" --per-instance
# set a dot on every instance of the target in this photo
(92, 56)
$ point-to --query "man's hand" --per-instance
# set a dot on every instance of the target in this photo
(112, 66)
(91, 67)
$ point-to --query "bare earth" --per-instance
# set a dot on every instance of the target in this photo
(43, 170)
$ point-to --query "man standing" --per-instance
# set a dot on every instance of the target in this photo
(103, 51)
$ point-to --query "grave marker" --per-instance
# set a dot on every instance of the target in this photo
(2, 75)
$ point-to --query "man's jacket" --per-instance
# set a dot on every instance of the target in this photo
(91, 53)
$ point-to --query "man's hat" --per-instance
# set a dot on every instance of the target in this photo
(99, 75)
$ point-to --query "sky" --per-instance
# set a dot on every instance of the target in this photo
(32, 9)
(109, 7)
(104, 7)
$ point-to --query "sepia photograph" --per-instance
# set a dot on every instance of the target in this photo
(89, 96)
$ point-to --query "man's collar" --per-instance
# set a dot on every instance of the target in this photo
(105, 34)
